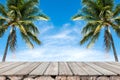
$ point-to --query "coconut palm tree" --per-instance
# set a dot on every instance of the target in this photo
(19, 15)
(100, 15)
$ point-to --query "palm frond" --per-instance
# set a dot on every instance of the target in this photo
(30, 12)
(3, 10)
(13, 40)
(82, 17)
(98, 28)
(86, 37)
(27, 40)
(28, 4)
(32, 28)
(33, 37)
(2, 21)
(104, 3)
(2, 31)
(117, 21)
(16, 3)
(88, 28)
(91, 12)
(93, 40)
(116, 11)
(22, 29)
(77, 17)
(92, 4)
(29, 26)
(16, 10)
(39, 17)
(107, 40)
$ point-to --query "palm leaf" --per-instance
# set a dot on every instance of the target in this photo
(29, 26)
(98, 28)
(107, 40)
(116, 11)
(90, 12)
(13, 40)
(27, 40)
(32, 28)
(87, 37)
(3, 10)
(22, 29)
(88, 28)
(77, 17)
(33, 37)
(30, 12)
(28, 4)
(2, 31)
(39, 17)
(2, 21)
(93, 40)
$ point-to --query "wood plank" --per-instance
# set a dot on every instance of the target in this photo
(100, 69)
(28, 69)
(114, 63)
(52, 69)
(5, 64)
(2, 70)
(88, 69)
(16, 69)
(61, 69)
(76, 70)
(40, 69)
(64, 69)
(108, 67)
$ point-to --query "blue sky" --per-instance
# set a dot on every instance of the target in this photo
(60, 37)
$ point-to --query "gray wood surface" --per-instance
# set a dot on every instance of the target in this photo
(52, 69)
(28, 69)
(40, 69)
(15, 70)
(2, 70)
(60, 69)
(64, 69)
(108, 67)
(100, 69)
(76, 69)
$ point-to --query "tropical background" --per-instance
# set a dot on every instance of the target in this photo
(60, 36)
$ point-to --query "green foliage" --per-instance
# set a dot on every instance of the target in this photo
(12, 39)
(21, 14)
(100, 14)
(107, 40)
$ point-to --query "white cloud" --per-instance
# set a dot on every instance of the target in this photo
(60, 46)
(59, 54)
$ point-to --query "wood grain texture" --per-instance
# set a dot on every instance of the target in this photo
(52, 69)
(100, 69)
(109, 67)
(88, 69)
(40, 69)
(28, 69)
(11, 66)
(16, 69)
(63, 69)
(76, 69)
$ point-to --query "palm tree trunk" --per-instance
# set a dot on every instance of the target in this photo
(114, 50)
(6, 49)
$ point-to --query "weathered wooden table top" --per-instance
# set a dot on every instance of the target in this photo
(60, 68)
